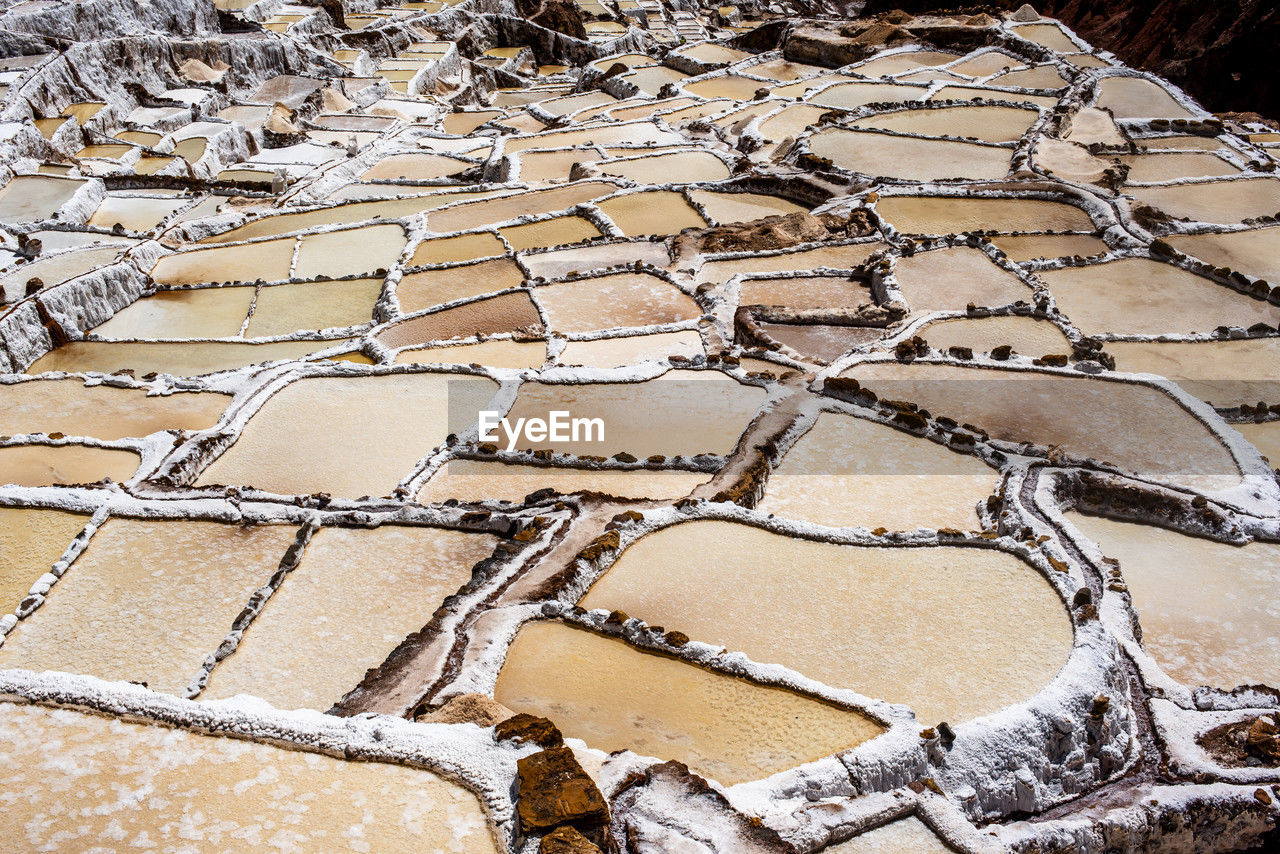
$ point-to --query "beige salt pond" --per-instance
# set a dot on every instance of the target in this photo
(803, 292)
(557, 231)
(884, 66)
(848, 471)
(1026, 335)
(359, 592)
(681, 412)
(282, 309)
(70, 407)
(190, 313)
(136, 213)
(490, 211)
(461, 247)
(1215, 201)
(417, 167)
(850, 96)
(837, 257)
(987, 123)
(1255, 252)
(510, 312)
(148, 600)
(615, 697)
(1227, 373)
(344, 253)
(1026, 247)
(618, 300)
(909, 158)
(674, 167)
(1222, 636)
(515, 355)
(297, 442)
(418, 291)
(1137, 97)
(180, 358)
(50, 465)
(176, 790)
(928, 627)
(267, 259)
(31, 541)
(1265, 437)
(1136, 427)
(33, 197)
(616, 352)
(947, 214)
(729, 208)
(1145, 168)
(1138, 296)
(954, 277)
(476, 480)
(654, 212)
(791, 121)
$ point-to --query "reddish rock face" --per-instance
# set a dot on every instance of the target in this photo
(554, 790)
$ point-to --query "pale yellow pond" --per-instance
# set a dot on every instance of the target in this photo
(31, 540)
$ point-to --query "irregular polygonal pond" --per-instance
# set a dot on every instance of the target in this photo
(615, 697)
(30, 541)
(928, 627)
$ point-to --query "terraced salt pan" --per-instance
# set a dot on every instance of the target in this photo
(1135, 427)
(580, 259)
(987, 123)
(549, 166)
(954, 277)
(489, 316)
(56, 269)
(135, 213)
(849, 471)
(27, 198)
(283, 309)
(947, 215)
(461, 247)
(616, 352)
(180, 358)
(897, 63)
(676, 166)
(1171, 166)
(1255, 252)
(495, 354)
(1228, 373)
(1035, 77)
(1215, 201)
(654, 212)
(1136, 97)
(1026, 335)
(783, 69)
(48, 465)
(70, 407)
(550, 232)
(1025, 247)
(729, 208)
(268, 259)
(790, 121)
(905, 834)
(156, 786)
(968, 93)
(805, 292)
(148, 600)
(343, 253)
(1226, 637)
(681, 412)
(615, 697)
(30, 542)
(297, 442)
(822, 342)
(389, 581)
(417, 167)
(731, 86)
(1047, 35)
(635, 133)
(417, 291)
(489, 211)
(201, 313)
(909, 158)
(651, 79)
(476, 480)
(618, 300)
(928, 627)
(1138, 296)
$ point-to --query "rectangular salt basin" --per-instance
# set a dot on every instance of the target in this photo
(188, 313)
(50, 465)
(1222, 635)
(71, 407)
(616, 352)
(345, 253)
(493, 353)
(838, 257)
(174, 790)
(909, 158)
(850, 471)
(616, 697)
(148, 600)
(1226, 373)
(679, 413)
(617, 300)
(954, 277)
(31, 541)
(267, 259)
(184, 359)
(658, 212)
(27, 198)
(886, 622)
(282, 309)
(953, 214)
(299, 442)
(359, 592)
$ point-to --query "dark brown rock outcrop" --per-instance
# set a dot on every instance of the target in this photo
(554, 790)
